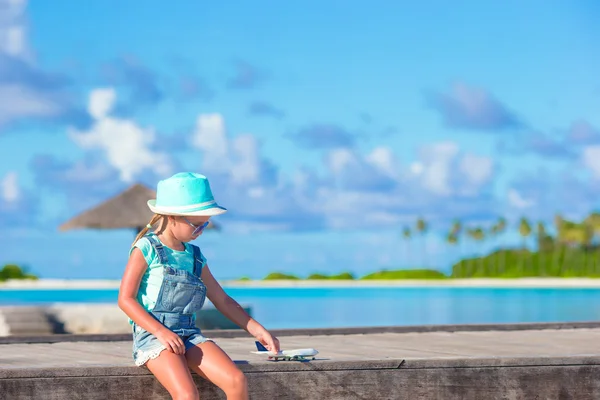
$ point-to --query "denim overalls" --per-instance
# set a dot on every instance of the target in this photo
(181, 295)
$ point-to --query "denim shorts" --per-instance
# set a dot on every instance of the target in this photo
(146, 346)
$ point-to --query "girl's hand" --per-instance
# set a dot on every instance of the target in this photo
(170, 340)
(268, 340)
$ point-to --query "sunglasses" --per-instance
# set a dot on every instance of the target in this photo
(197, 228)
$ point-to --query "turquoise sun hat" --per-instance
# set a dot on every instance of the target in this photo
(185, 193)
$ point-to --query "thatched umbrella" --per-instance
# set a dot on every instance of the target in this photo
(128, 209)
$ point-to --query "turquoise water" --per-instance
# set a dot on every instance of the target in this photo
(360, 306)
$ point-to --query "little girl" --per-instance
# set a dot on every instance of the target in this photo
(167, 280)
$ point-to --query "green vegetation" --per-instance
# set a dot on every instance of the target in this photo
(563, 262)
(384, 274)
(406, 274)
(279, 275)
(574, 251)
(12, 271)
(342, 276)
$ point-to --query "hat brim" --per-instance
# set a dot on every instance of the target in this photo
(189, 211)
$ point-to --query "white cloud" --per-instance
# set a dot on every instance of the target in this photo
(256, 192)
(383, 159)
(443, 170)
(13, 35)
(125, 144)
(377, 190)
(101, 102)
(27, 92)
(416, 168)
(10, 187)
(20, 101)
(591, 159)
(15, 41)
(477, 169)
(238, 157)
(245, 163)
(17, 207)
(339, 159)
(436, 159)
(84, 173)
(210, 135)
(515, 199)
(351, 189)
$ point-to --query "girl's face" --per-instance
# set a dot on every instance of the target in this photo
(186, 229)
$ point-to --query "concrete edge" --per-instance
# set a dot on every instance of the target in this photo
(244, 365)
(494, 362)
(235, 333)
(317, 365)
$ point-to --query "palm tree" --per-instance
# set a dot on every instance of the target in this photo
(593, 222)
(501, 228)
(586, 239)
(558, 243)
(493, 233)
(471, 234)
(406, 234)
(456, 227)
(422, 230)
(456, 231)
(541, 239)
(572, 235)
(576, 236)
(451, 238)
(479, 236)
(524, 231)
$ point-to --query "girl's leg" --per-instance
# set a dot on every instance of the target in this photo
(172, 372)
(209, 361)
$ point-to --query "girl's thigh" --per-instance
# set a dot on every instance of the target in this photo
(211, 362)
(173, 373)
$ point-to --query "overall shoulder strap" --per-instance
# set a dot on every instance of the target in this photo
(158, 247)
(197, 261)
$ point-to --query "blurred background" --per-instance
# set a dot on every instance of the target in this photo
(351, 142)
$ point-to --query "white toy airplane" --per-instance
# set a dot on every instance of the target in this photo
(287, 355)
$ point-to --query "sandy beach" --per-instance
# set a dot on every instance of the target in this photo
(64, 284)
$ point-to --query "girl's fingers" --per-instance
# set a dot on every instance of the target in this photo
(175, 346)
(275, 344)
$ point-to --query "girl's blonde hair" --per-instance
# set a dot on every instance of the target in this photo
(155, 218)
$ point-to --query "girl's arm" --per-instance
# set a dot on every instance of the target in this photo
(130, 283)
(232, 310)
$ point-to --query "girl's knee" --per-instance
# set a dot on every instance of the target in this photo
(240, 379)
(238, 382)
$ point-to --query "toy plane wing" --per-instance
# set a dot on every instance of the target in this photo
(298, 353)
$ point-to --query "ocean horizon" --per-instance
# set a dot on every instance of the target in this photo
(332, 307)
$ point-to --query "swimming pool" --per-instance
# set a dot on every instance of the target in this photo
(328, 307)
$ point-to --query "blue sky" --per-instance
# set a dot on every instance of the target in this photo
(325, 127)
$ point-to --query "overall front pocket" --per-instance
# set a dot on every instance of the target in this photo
(197, 299)
(181, 295)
